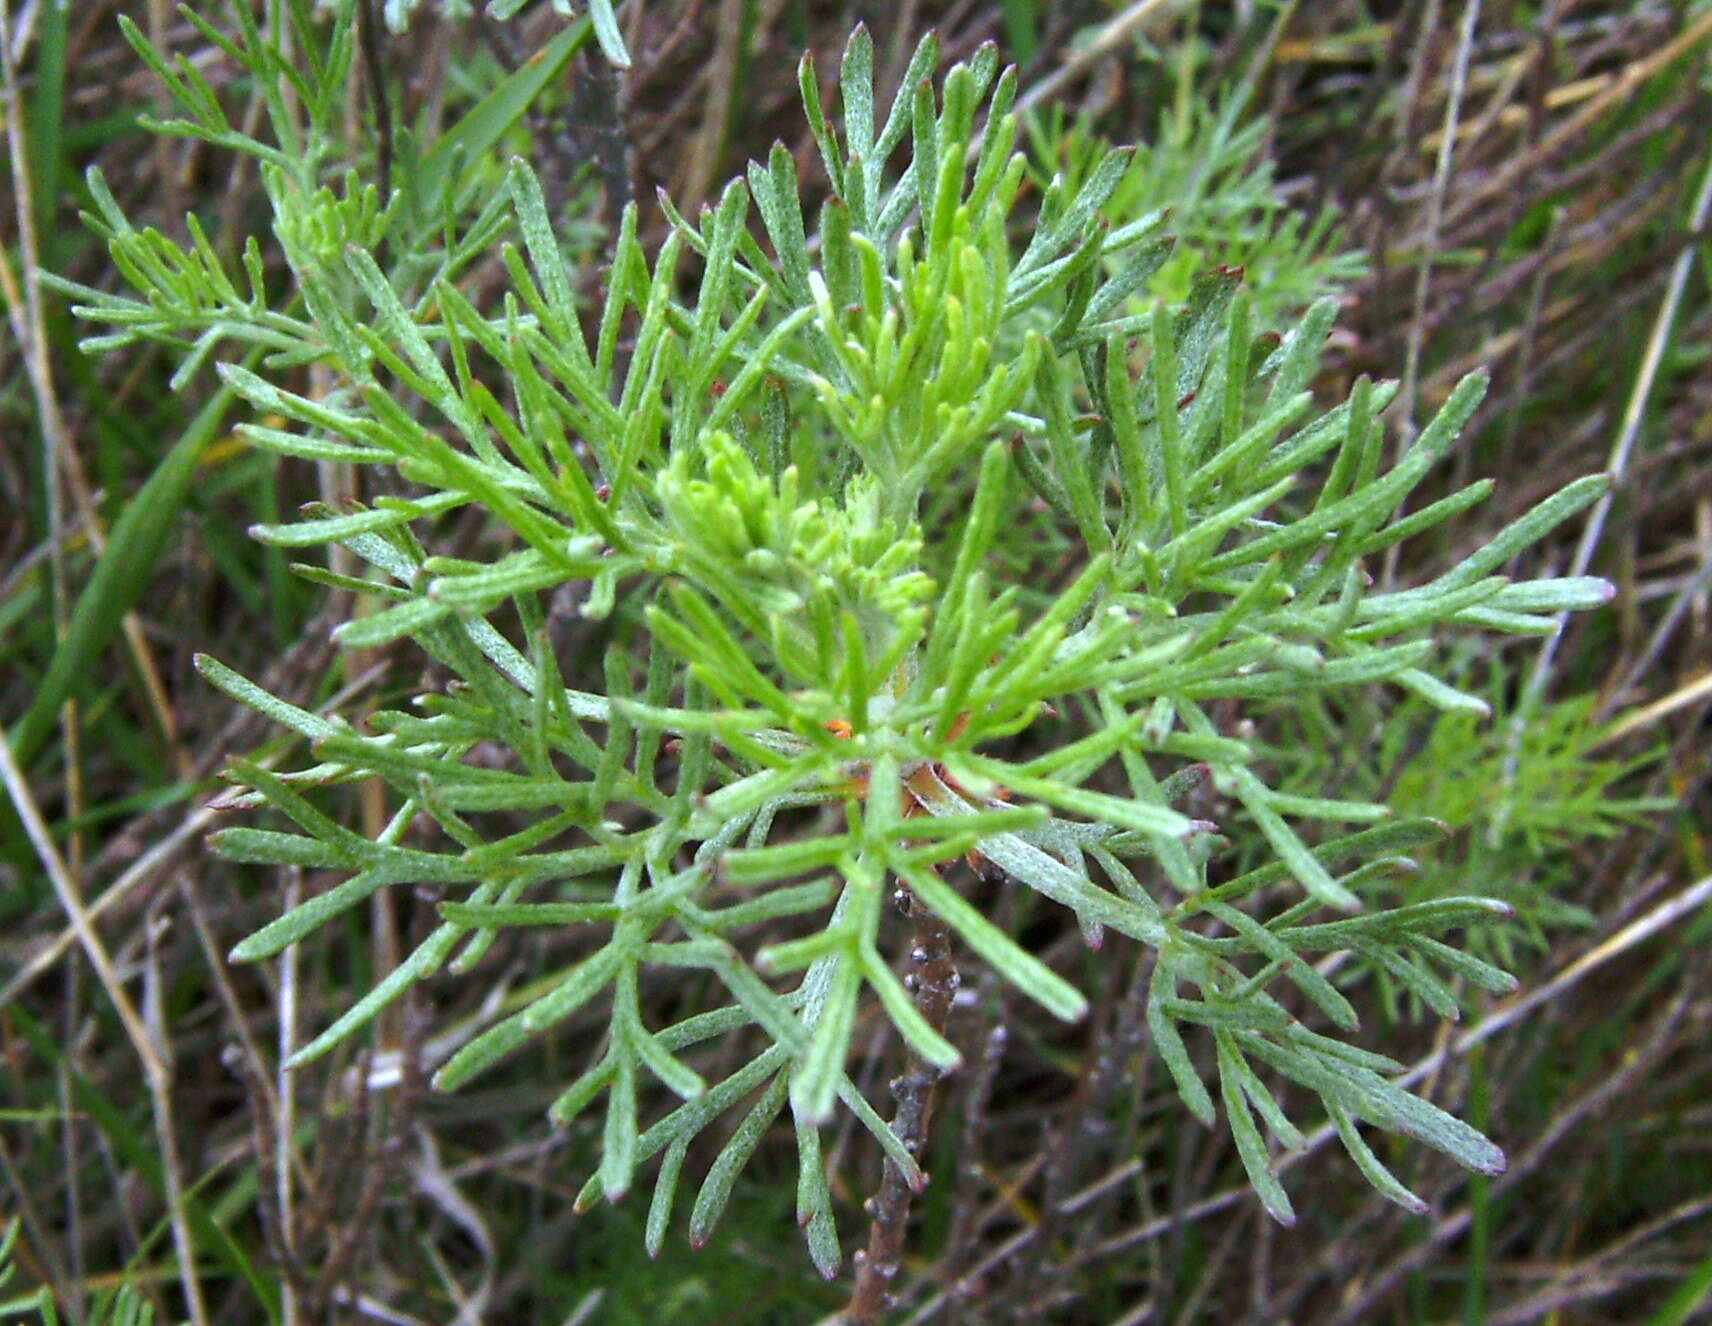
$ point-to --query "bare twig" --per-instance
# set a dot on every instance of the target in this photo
(1123, 1029)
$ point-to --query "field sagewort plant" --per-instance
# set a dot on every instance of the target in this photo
(861, 512)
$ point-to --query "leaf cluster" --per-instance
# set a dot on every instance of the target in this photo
(802, 475)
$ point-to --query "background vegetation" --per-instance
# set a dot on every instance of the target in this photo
(1520, 186)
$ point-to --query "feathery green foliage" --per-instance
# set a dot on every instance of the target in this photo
(812, 487)
(1206, 165)
(1517, 808)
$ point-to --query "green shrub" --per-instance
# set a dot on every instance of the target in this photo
(902, 542)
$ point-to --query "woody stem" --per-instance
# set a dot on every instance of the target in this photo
(933, 980)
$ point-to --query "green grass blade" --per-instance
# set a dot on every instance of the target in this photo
(122, 573)
(487, 121)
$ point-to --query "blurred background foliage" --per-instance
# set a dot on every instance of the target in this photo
(1520, 185)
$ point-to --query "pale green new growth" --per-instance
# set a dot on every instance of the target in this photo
(814, 486)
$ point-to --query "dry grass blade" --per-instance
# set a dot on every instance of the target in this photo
(157, 1072)
(1623, 447)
